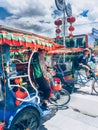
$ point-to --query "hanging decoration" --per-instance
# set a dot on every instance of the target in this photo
(71, 20)
(70, 35)
(71, 28)
(58, 31)
(24, 41)
(57, 37)
(58, 23)
(18, 42)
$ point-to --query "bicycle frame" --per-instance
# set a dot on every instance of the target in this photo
(80, 78)
(8, 107)
(59, 96)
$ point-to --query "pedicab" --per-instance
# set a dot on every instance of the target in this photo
(63, 65)
(19, 100)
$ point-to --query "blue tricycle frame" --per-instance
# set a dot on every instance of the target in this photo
(28, 108)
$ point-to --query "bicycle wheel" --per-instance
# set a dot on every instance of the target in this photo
(95, 86)
(61, 98)
(27, 119)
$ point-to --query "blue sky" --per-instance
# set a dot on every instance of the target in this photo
(38, 16)
(4, 13)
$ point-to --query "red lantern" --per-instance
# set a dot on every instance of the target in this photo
(71, 28)
(58, 22)
(58, 30)
(58, 36)
(70, 35)
(68, 19)
(71, 19)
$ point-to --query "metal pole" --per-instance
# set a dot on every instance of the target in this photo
(64, 18)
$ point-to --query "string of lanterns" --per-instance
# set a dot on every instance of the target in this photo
(58, 23)
(71, 28)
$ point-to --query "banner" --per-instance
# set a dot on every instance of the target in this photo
(95, 33)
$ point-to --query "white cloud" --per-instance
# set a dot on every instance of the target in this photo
(85, 24)
(28, 14)
(36, 15)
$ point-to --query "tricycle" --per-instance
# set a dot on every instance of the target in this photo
(19, 99)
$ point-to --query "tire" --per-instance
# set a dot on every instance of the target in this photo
(62, 97)
(27, 118)
(95, 86)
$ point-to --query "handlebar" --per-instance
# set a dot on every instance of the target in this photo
(85, 66)
(92, 74)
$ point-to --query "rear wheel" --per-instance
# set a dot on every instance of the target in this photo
(27, 119)
(60, 98)
(95, 86)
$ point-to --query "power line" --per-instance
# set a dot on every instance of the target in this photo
(82, 24)
(86, 23)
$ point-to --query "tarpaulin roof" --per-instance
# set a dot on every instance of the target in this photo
(14, 38)
(65, 50)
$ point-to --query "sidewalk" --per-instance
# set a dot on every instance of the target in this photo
(84, 102)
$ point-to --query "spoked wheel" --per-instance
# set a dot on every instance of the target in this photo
(60, 98)
(95, 86)
(27, 119)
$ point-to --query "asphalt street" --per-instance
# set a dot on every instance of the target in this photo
(69, 119)
(81, 114)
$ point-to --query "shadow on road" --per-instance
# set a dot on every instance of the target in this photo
(43, 128)
(54, 110)
(85, 92)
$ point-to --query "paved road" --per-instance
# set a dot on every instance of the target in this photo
(69, 119)
(82, 114)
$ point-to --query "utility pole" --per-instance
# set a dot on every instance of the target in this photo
(65, 7)
(64, 18)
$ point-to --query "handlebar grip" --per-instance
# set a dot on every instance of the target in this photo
(85, 66)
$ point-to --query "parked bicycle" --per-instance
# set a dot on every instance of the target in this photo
(58, 96)
(65, 77)
(82, 80)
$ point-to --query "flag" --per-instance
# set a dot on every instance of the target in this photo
(84, 13)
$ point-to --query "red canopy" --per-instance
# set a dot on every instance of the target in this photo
(65, 50)
(25, 41)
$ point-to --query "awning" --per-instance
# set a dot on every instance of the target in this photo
(65, 50)
(25, 41)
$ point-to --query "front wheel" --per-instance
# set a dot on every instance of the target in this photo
(26, 119)
(60, 98)
(95, 86)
